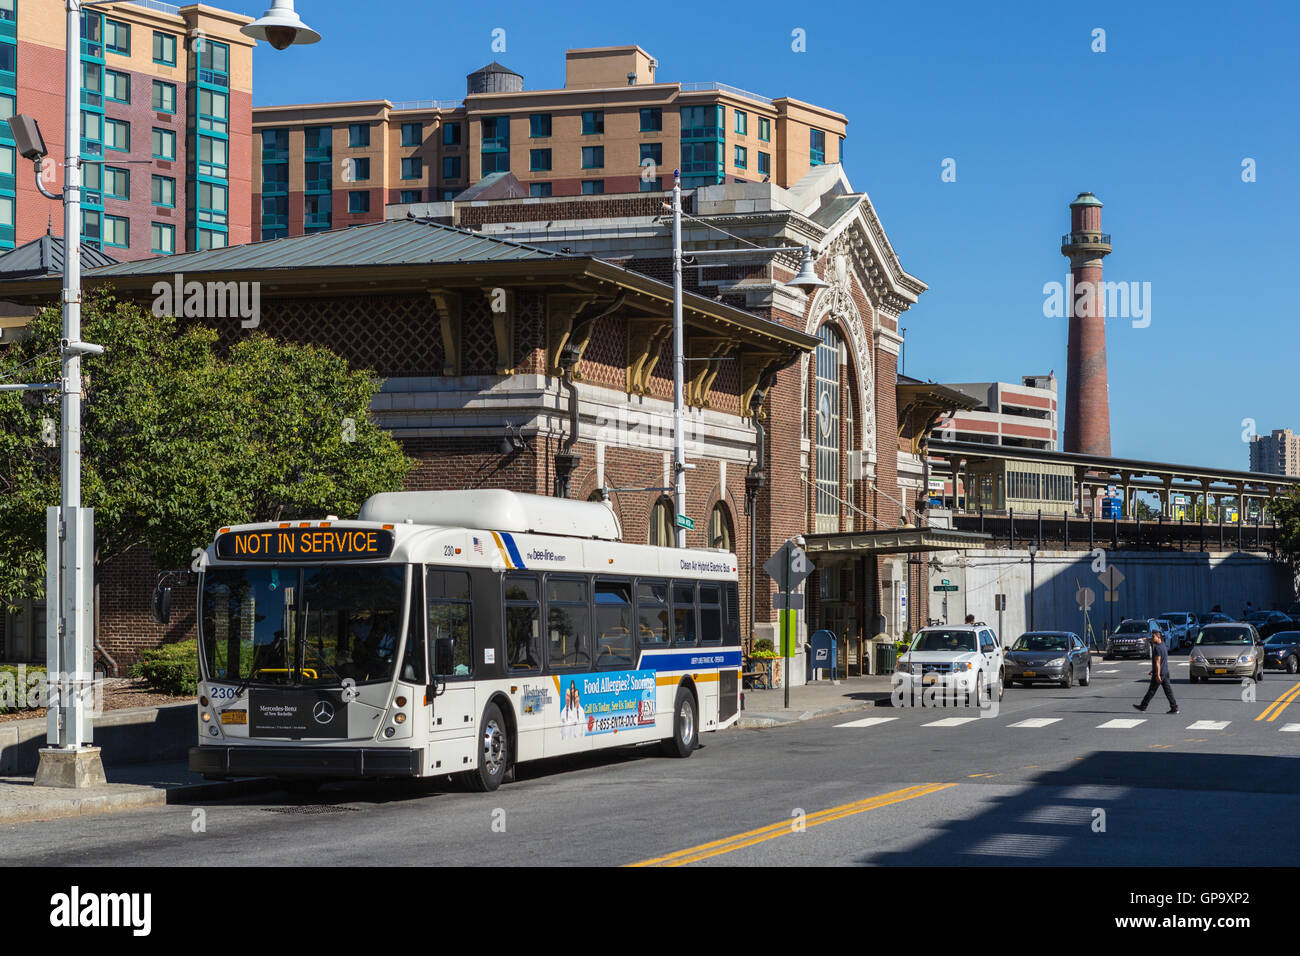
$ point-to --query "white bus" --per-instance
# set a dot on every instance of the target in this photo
(456, 632)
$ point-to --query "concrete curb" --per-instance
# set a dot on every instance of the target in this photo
(125, 796)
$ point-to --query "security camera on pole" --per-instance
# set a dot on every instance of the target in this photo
(69, 759)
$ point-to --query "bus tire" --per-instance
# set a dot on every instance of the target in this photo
(685, 725)
(493, 752)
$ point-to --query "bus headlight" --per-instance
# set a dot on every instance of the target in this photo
(206, 718)
(388, 731)
(399, 718)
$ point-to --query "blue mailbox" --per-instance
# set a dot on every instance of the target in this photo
(821, 654)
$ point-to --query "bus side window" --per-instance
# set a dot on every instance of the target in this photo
(710, 614)
(613, 624)
(684, 613)
(451, 631)
(568, 622)
(652, 611)
(523, 623)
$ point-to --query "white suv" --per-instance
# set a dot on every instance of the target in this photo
(959, 660)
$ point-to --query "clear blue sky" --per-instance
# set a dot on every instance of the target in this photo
(1157, 126)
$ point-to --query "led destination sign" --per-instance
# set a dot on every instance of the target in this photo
(314, 544)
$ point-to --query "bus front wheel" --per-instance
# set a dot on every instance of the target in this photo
(493, 752)
(683, 740)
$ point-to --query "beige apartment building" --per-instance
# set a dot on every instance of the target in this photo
(613, 128)
(1276, 454)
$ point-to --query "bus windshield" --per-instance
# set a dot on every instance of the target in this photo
(302, 626)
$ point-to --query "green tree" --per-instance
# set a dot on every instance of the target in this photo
(1286, 512)
(177, 440)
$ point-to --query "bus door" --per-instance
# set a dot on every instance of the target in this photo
(453, 712)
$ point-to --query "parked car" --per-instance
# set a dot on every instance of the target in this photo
(964, 659)
(1227, 650)
(1210, 617)
(1182, 627)
(1272, 622)
(1058, 656)
(1294, 610)
(1132, 638)
(1282, 650)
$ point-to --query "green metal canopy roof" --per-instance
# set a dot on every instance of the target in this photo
(44, 256)
(392, 242)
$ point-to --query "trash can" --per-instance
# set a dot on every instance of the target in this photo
(886, 657)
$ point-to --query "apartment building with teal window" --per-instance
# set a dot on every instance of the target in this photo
(613, 128)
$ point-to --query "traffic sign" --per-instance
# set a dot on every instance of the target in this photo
(685, 522)
(799, 565)
(795, 602)
(1085, 597)
(999, 602)
(946, 581)
(945, 587)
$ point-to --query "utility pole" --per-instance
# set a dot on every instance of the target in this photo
(679, 451)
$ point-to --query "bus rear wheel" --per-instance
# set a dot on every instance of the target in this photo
(493, 753)
(683, 740)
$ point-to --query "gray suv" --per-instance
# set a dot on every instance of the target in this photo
(1226, 650)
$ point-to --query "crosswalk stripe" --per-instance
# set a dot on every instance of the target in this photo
(1292, 728)
(1209, 725)
(1036, 722)
(867, 722)
(950, 722)
(1113, 671)
(1122, 723)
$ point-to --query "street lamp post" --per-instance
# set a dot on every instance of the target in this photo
(69, 759)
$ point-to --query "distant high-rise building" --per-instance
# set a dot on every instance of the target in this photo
(614, 128)
(1276, 454)
(166, 113)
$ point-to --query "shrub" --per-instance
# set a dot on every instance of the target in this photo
(763, 647)
(171, 669)
(21, 690)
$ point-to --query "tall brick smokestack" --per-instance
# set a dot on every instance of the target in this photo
(1087, 399)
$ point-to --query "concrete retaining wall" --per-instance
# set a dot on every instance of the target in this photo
(135, 735)
(1153, 582)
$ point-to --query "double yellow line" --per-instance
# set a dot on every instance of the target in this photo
(772, 831)
(1274, 710)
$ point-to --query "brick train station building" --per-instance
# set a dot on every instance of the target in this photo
(526, 344)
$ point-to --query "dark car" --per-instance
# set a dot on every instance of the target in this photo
(1057, 656)
(1210, 617)
(1282, 651)
(1271, 622)
(1131, 639)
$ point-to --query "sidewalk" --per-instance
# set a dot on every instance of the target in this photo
(766, 708)
(128, 787)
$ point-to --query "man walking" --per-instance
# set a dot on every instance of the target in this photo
(1159, 673)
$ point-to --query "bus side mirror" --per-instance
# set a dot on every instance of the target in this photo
(162, 605)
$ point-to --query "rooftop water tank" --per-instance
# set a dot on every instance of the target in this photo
(494, 78)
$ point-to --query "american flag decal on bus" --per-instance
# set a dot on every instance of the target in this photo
(478, 546)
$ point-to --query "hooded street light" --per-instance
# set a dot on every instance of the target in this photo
(280, 27)
(807, 277)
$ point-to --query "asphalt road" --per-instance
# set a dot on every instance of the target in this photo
(1048, 780)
